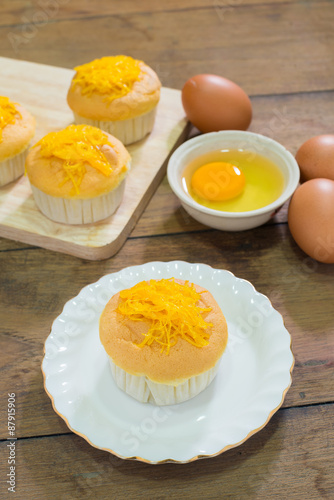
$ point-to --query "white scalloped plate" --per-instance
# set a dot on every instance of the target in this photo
(253, 378)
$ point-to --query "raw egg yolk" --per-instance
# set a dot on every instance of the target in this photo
(218, 181)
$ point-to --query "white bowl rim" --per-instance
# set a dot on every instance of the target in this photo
(192, 143)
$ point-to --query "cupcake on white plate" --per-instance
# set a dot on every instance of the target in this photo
(77, 175)
(118, 94)
(17, 128)
(164, 339)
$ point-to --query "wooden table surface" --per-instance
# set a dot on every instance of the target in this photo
(282, 53)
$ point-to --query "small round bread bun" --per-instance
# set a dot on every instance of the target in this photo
(77, 175)
(17, 128)
(118, 94)
(151, 371)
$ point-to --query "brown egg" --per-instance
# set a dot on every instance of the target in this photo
(316, 158)
(214, 103)
(311, 219)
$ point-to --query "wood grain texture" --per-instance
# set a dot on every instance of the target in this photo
(253, 45)
(269, 259)
(23, 11)
(278, 463)
(44, 89)
(281, 52)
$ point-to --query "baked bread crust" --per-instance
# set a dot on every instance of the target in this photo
(47, 174)
(120, 338)
(17, 136)
(143, 97)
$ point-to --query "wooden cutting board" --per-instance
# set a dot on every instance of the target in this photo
(42, 90)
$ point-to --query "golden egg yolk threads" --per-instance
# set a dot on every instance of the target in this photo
(8, 113)
(218, 181)
(77, 145)
(112, 76)
(170, 308)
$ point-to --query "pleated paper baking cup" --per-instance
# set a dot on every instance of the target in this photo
(146, 391)
(12, 168)
(127, 131)
(76, 211)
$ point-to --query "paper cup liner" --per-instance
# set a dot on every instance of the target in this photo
(144, 390)
(12, 168)
(76, 211)
(127, 131)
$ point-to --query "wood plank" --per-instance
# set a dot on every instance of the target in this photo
(44, 89)
(24, 12)
(266, 48)
(8, 245)
(298, 287)
(276, 463)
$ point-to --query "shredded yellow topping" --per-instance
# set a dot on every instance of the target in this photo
(172, 310)
(8, 113)
(77, 145)
(112, 76)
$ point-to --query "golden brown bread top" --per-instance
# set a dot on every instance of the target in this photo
(17, 136)
(120, 338)
(143, 97)
(47, 174)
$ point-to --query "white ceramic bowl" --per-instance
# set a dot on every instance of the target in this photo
(232, 139)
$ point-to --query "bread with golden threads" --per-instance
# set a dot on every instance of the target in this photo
(77, 175)
(17, 128)
(128, 116)
(148, 372)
